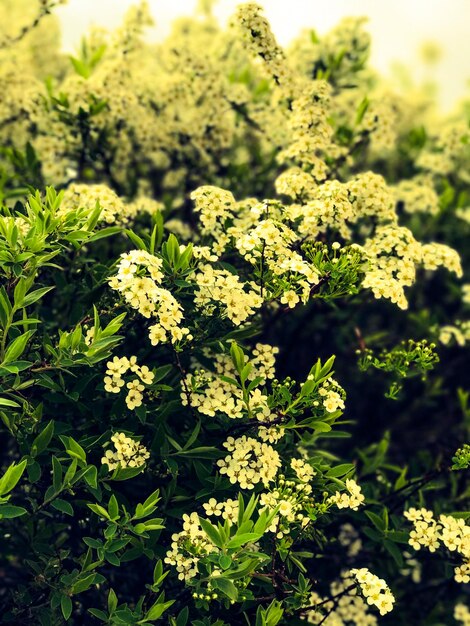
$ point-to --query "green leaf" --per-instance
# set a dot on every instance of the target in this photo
(158, 608)
(193, 436)
(17, 347)
(83, 584)
(372, 534)
(124, 473)
(398, 536)
(98, 614)
(238, 357)
(112, 558)
(225, 561)
(150, 524)
(161, 372)
(245, 372)
(56, 474)
(307, 388)
(460, 514)
(136, 240)
(91, 476)
(63, 506)
(212, 532)
(203, 452)
(112, 601)
(171, 249)
(99, 510)
(226, 586)
(10, 403)
(9, 511)
(73, 448)
(240, 540)
(148, 506)
(183, 616)
(34, 296)
(321, 427)
(393, 549)
(5, 307)
(340, 470)
(42, 440)
(376, 520)
(19, 292)
(105, 232)
(113, 508)
(66, 606)
(11, 477)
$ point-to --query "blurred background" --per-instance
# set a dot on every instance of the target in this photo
(402, 31)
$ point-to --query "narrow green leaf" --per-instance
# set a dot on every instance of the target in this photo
(63, 506)
(226, 586)
(42, 440)
(66, 606)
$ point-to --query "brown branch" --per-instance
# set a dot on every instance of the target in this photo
(333, 599)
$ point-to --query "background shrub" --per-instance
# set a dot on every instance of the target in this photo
(234, 382)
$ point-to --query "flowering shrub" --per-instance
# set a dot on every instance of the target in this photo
(234, 383)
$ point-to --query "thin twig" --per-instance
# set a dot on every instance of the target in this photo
(46, 7)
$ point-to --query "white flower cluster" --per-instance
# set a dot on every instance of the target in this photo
(329, 207)
(374, 589)
(192, 543)
(464, 214)
(453, 533)
(220, 288)
(188, 546)
(350, 36)
(351, 500)
(127, 453)
(332, 395)
(371, 197)
(418, 195)
(249, 462)
(215, 207)
(114, 210)
(393, 254)
(380, 121)
(113, 381)
(296, 183)
(228, 509)
(336, 205)
(436, 255)
(460, 333)
(268, 245)
(349, 539)
(210, 395)
(311, 131)
(291, 500)
(268, 235)
(89, 335)
(448, 152)
(345, 606)
(303, 470)
(462, 614)
(260, 40)
(138, 279)
(271, 434)
(348, 608)
(466, 293)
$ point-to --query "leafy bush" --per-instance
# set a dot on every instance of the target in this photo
(234, 382)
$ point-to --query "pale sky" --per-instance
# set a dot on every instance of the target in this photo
(398, 28)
